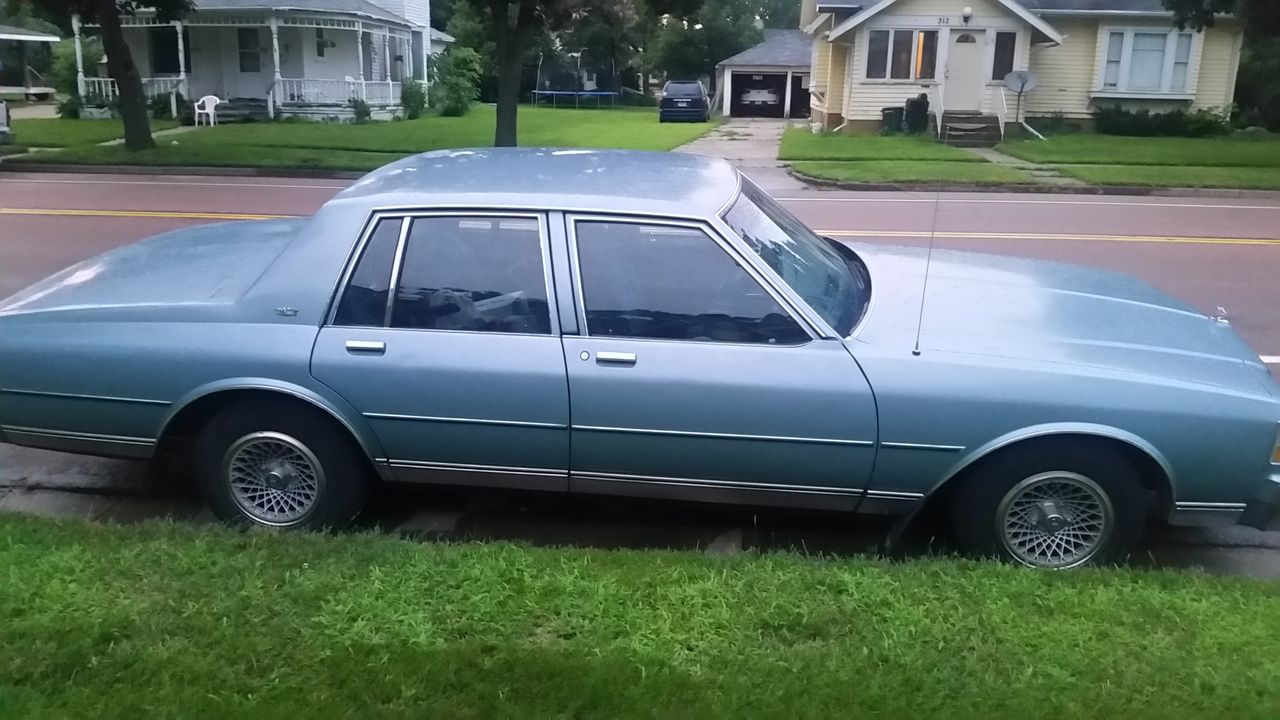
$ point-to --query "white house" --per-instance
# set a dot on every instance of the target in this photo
(1085, 54)
(303, 58)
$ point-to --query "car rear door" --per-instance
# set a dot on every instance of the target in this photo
(691, 379)
(445, 337)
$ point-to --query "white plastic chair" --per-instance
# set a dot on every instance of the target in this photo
(207, 106)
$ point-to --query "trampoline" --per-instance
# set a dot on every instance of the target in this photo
(541, 97)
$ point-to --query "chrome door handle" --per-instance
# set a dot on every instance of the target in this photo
(366, 346)
(616, 358)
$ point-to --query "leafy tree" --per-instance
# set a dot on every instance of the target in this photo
(456, 84)
(780, 14)
(1261, 18)
(514, 27)
(607, 32)
(106, 14)
(691, 45)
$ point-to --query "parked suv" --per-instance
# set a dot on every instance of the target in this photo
(684, 100)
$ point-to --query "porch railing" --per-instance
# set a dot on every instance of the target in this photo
(310, 91)
(936, 107)
(106, 88)
(1002, 110)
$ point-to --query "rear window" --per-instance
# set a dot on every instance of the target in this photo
(683, 89)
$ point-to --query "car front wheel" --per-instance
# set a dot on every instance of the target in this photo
(282, 467)
(1055, 507)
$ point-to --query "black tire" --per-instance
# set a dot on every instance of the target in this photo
(341, 483)
(978, 515)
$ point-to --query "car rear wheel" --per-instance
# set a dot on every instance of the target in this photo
(282, 467)
(1055, 506)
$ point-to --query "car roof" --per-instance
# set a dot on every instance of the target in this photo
(664, 183)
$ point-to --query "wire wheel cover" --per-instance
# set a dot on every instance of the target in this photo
(274, 479)
(1055, 520)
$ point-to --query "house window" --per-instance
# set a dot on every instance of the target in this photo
(320, 42)
(902, 54)
(1145, 61)
(1006, 49)
(247, 44)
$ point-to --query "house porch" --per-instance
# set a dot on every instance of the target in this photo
(284, 63)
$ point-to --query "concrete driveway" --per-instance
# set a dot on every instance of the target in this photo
(751, 144)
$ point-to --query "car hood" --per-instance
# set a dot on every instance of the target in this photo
(207, 265)
(1049, 312)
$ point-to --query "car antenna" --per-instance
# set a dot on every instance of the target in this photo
(928, 261)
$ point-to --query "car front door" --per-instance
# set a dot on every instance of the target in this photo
(690, 378)
(445, 337)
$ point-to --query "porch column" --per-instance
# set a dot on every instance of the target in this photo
(786, 102)
(275, 63)
(182, 59)
(386, 59)
(360, 58)
(75, 28)
(360, 49)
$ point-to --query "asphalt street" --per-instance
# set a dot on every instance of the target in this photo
(1213, 253)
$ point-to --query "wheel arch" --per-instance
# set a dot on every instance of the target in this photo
(1153, 468)
(190, 412)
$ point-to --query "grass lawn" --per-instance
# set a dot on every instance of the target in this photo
(102, 621)
(196, 155)
(12, 150)
(1114, 150)
(1257, 178)
(906, 171)
(364, 147)
(801, 144)
(71, 133)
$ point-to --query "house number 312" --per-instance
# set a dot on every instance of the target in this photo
(944, 21)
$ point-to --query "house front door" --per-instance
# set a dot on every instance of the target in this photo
(964, 73)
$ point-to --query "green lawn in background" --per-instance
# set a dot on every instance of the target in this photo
(632, 128)
(334, 146)
(1087, 148)
(1256, 178)
(908, 171)
(71, 133)
(202, 155)
(155, 620)
(801, 144)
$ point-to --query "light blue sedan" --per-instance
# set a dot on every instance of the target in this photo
(642, 324)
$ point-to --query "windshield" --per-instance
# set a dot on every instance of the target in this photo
(833, 281)
(683, 89)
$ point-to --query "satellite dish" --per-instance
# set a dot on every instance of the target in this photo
(1021, 81)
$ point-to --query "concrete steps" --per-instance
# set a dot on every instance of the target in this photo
(970, 130)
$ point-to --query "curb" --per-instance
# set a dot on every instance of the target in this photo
(1132, 190)
(181, 170)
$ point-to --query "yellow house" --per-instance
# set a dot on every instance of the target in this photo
(1082, 54)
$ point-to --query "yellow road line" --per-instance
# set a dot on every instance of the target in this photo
(141, 214)
(1050, 236)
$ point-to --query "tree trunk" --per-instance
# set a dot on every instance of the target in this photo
(510, 65)
(133, 102)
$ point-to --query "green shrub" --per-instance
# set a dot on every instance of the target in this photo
(63, 72)
(456, 81)
(69, 107)
(1144, 123)
(1054, 124)
(413, 98)
(159, 107)
(361, 110)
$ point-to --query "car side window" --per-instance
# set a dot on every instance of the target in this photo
(673, 283)
(476, 273)
(364, 300)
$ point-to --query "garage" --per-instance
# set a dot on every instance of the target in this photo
(768, 80)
